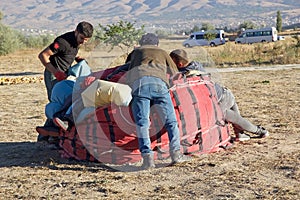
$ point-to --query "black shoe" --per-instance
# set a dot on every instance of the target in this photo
(262, 132)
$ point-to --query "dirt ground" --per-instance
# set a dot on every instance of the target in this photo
(257, 169)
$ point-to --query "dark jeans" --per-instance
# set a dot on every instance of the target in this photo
(50, 81)
(149, 91)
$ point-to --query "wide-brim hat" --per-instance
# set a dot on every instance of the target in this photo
(181, 53)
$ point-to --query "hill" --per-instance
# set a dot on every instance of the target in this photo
(167, 14)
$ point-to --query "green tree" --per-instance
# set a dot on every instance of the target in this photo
(121, 34)
(279, 22)
(195, 28)
(10, 41)
(207, 26)
(162, 33)
(247, 25)
(38, 41)
(210, 35)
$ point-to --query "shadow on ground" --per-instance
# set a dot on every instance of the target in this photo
(19, 74)
(33, 154)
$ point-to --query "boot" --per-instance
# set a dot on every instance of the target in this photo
(148, 161)
(178, 157)
(262, 132)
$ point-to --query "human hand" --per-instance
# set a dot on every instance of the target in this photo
(59, 75)
(78, 59)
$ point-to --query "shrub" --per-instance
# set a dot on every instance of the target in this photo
(36, 41)
(121, 34)
(10, 41)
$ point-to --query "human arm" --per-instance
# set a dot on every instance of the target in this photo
(44, 57)
(172, 68)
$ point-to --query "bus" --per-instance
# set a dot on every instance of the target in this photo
(257, 35)
(198, 39)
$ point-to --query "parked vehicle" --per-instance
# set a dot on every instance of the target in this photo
(199, 39)
(257, 35)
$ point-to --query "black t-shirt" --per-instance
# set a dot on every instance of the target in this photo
(65, 49)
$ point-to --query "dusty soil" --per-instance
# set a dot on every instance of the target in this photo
(257, 169)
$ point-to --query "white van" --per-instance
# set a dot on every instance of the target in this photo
(198, 39)
(257, 35)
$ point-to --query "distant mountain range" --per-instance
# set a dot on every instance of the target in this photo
(61, 15)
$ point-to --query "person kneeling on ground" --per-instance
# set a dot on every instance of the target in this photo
(57, 59)
(226, 100)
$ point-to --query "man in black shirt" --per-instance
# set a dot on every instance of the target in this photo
(58, 58)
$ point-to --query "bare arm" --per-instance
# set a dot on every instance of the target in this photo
(44, 57)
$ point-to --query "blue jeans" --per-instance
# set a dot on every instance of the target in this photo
(151, 91)
(50, 81)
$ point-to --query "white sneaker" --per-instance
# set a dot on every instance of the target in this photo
(60, 123)
(240, 137)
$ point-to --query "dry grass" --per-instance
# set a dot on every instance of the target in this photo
(280, 52)
(256, 169)
(228, 55)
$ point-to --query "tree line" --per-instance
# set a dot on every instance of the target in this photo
(244, 25)
(122, 34)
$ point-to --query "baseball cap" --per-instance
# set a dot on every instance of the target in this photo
(149, 39)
